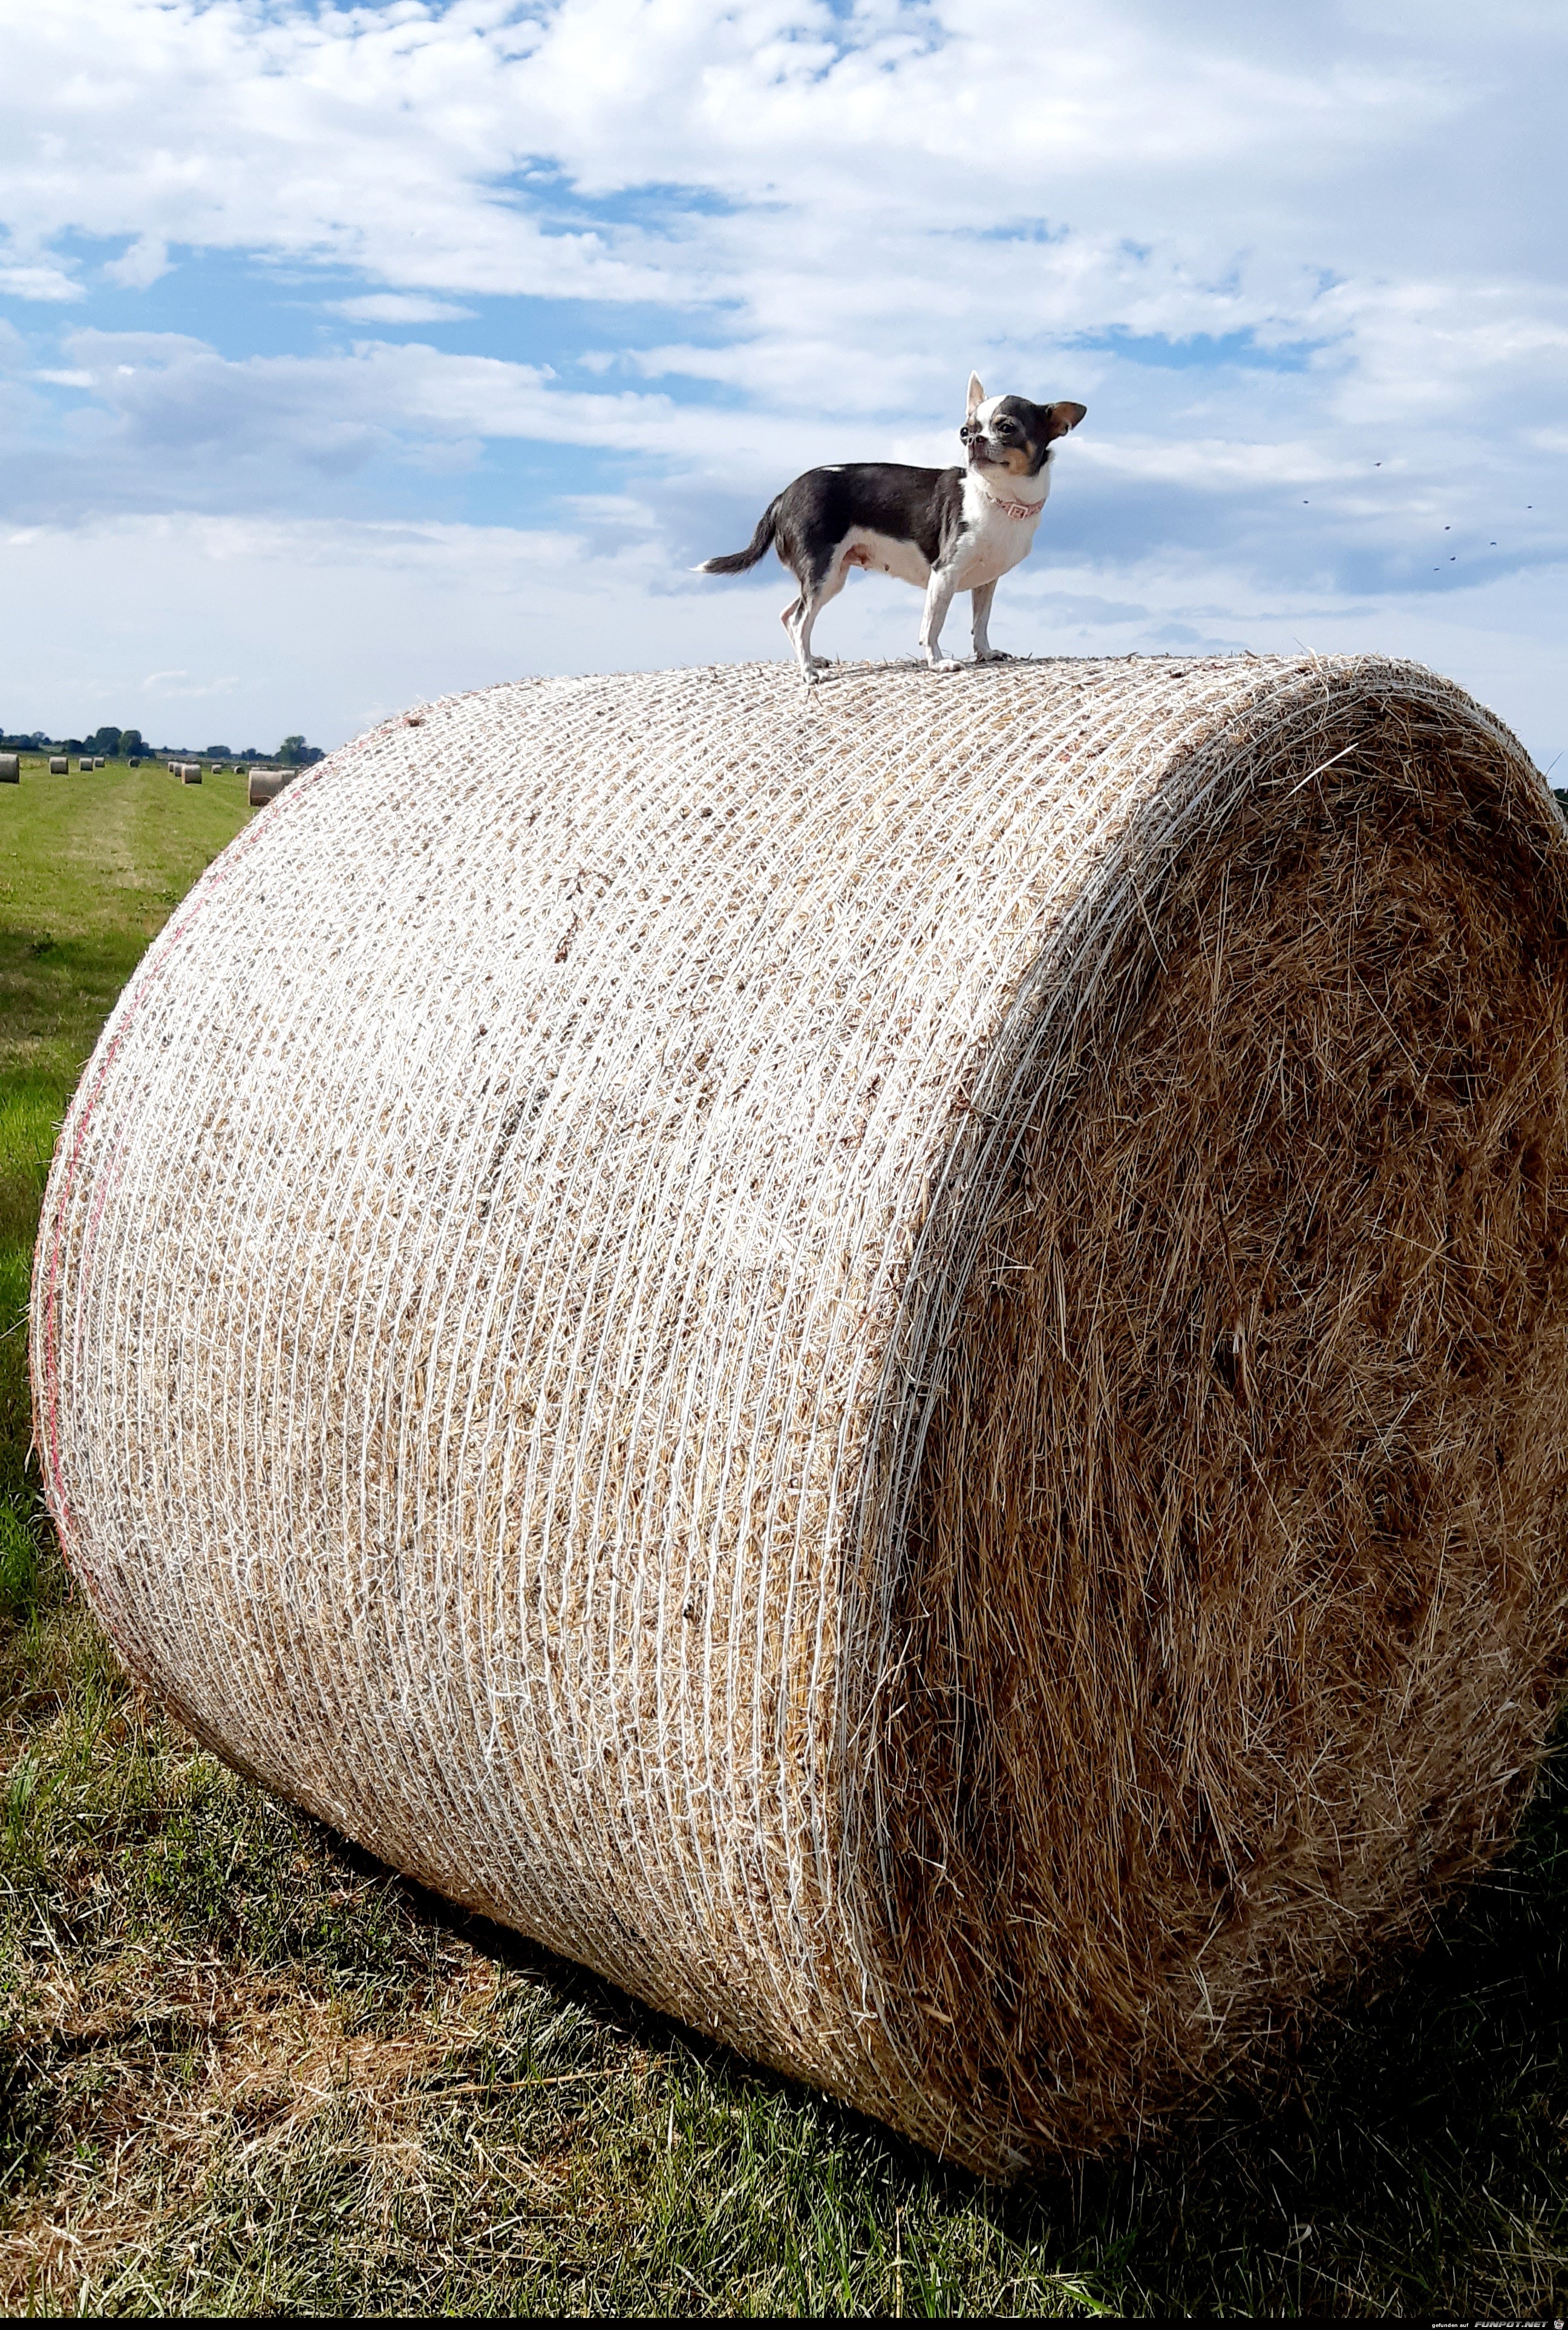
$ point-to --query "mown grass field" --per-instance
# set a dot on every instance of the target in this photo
(244, 2070)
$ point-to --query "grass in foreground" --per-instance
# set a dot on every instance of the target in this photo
(244, 2070)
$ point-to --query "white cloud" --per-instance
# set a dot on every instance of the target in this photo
(43, 283)
(330, 627)
(1217, 171)
(140, 267)
(171, 398)
(1269, 247)
(1233, 146)
(400, 308)
(180, 685)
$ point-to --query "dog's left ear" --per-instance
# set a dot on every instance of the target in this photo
(976, 395)
(1061, 418)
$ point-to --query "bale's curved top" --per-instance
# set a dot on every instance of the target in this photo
(547, 1297)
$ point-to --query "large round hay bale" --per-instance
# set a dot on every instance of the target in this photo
(890, 1360)
(266, 784)
(9, 767)
(58, 765)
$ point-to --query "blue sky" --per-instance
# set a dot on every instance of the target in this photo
(354, 354)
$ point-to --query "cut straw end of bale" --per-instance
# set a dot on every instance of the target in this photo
(889, 1361)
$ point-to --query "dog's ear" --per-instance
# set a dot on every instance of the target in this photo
(976, 395)
(1061, 418)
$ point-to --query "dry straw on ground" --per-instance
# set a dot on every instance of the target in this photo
(890, 1360)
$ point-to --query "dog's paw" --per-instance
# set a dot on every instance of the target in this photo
(944, 663)
(992, 655)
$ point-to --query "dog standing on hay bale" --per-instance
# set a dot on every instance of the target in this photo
(688, 1397)
(943, 530)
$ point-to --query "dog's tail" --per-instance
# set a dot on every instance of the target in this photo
(739, 560)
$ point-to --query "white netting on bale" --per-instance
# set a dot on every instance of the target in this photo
(888, 1359)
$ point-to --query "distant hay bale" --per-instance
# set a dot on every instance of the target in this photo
(58, 766)
(133, 761)
(191, 772)
(266, 784)
(9, 767)
(889, 1360)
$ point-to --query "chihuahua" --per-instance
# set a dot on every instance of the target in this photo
(943, 530)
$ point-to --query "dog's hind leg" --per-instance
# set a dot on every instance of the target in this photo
(938, 599)
(794, 617)
(813, 596)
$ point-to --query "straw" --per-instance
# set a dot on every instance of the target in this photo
(888, 1360)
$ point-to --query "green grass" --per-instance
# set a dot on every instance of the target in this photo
(90, 868)
(244, 2070)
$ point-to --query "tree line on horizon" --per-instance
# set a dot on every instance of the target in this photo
(128, 743)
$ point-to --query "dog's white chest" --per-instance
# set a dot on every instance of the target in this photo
(994, 540)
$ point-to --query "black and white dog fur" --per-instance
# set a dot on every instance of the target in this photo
(943, 530)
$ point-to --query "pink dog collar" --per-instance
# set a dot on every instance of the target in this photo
(1010, 509)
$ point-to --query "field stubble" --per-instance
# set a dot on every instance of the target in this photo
(245, 2069)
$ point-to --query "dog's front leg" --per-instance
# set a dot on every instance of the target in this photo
(938, 599)
(981, 598)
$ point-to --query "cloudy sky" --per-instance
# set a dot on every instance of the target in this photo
(350, 355)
